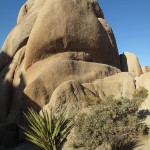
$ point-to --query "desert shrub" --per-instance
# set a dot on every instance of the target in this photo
(140, 93)
(47, 131)
(92, 99)
(113, 121)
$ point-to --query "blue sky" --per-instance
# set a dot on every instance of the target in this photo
(129, 19)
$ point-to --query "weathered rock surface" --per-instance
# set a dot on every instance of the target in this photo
(119, 85)
(62, 54)
(45, 79)
(145, 69)
(56, 49)
(18, 37)
(78, 31)
(130, 63)
(112, 41)
(144, 80)
(11, 87)
(73, 95)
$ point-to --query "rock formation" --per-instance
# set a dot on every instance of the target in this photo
(80, 30)
(49, 50)
(146, 69)
(73, 95)
(60, 54)
(130, 63)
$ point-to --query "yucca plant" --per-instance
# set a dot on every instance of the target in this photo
(47, 131)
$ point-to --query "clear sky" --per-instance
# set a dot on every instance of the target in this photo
(129, 19)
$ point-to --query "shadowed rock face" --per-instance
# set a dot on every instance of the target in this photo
(19, 35)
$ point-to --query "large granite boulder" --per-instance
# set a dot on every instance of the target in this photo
(11, 86)
(53, 42)
(19, 35)
(11, 60)
(130, 63)
(118, 86)
(73, 96)
(71, 26)
(43, 80)
(144, 80)
(76, 98)
(61, 54)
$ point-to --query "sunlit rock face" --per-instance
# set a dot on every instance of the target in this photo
(53, 41)
(130, 63)
(71, 26)
(146, 69)
(59, 52)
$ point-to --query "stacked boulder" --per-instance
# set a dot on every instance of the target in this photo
(53, 42)
(130, 63)
(60, 52)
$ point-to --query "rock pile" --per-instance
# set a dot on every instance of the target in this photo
(59, 52)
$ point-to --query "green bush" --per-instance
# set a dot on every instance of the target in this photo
(113, 121)
(140, 93)
(47, 131)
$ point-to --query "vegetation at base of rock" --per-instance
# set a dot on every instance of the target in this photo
(140, 93)
(92, 100)
(47, 131)
(113, 121)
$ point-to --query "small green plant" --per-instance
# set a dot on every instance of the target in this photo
(113, 121)
(92, 99)
(47, 131)
(140, 93)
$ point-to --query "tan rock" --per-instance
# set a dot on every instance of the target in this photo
(9, 82)
(119, 85)
(43, 79)
(146, 69)
(18, 37)
(130, 63)
(144, 80)
(112, 41)
(29, 7)
(10, 47)
(17, 88)
(75, 98)
(60, 65)
(78, 31)
(71, 48)
(71, 96)
(144, 144)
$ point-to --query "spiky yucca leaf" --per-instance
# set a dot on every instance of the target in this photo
(47, 131)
